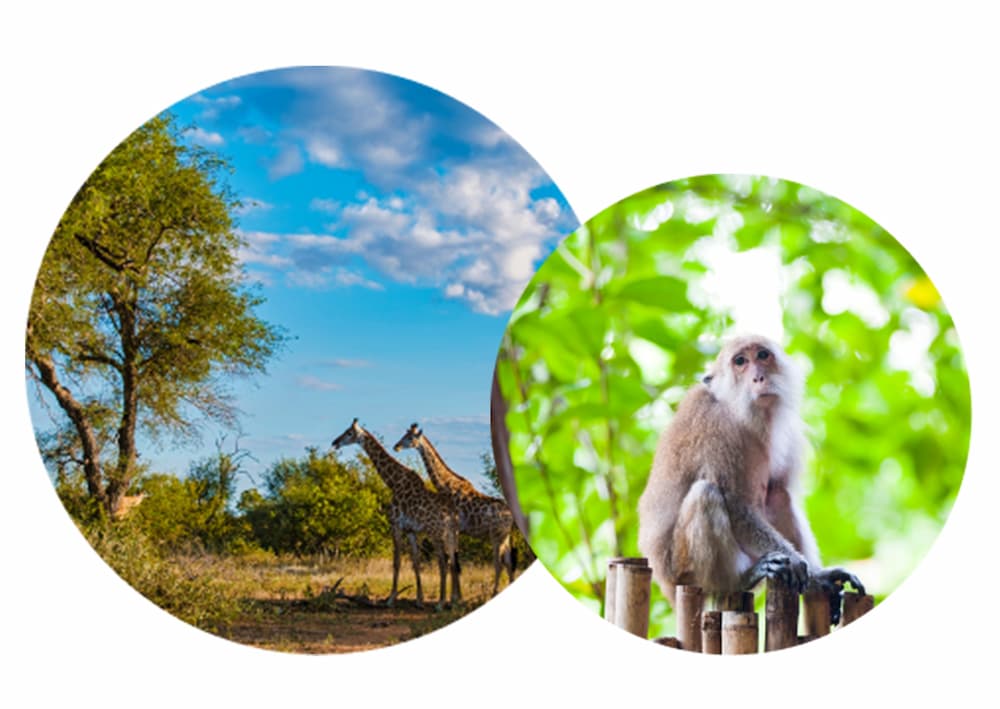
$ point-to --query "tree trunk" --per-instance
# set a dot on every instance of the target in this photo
(74, 409)
(125, 469)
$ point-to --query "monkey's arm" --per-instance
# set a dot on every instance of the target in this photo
(773, 554)
(788, 519)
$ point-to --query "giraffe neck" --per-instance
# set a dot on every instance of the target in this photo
(396, 475)
(443, 477)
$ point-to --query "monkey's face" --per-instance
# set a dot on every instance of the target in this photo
(750, 372)
(756, 370)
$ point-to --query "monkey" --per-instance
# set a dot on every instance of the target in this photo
(720, 509)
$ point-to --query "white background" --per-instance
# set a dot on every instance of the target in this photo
(888, 108)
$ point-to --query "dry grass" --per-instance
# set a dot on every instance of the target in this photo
(289, 604)
(293, 604)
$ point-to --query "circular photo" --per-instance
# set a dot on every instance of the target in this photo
(259, 351)
(733, 411)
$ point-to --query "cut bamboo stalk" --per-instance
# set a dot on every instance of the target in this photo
(690, 601)
(711, 632)
(611, 583)
(855, 606)
(739, 632)
(781, 616)
(737, 601)
(816, 608)
(632, 598)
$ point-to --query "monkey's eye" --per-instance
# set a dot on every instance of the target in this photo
(739, 360)
(763, 354)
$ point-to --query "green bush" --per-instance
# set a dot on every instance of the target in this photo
(168, 580)
(320, 505)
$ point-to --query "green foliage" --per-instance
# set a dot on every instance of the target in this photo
(140, 312)
(171, 582)
(318, 504)
(620, 320)
(71, 488)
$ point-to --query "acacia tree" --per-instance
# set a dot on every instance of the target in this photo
(140, 312)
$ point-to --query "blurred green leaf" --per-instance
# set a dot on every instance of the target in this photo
(607, 335)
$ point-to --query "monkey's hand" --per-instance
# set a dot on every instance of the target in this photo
(791, 570)
(831, 583)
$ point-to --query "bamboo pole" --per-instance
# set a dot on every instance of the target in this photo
(737, 601)
(781, 616)
(855, 606)
(739, 632)
(610, 588)
(611, 583)
(816, 608)
(632, 598)
(711, 632)
(690, 601)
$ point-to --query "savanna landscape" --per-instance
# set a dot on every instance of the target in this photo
(200, 330)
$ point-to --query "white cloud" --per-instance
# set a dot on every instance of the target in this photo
(347, 363)
(321, 149)
(315, 280)
(204, 137)
(328, 277)
(255, 135)
(348, 118)
(343, 277)
(316, 384)
(476, 232)
(251, 204)
(258, 249)
(490, 136)
(214, 106)
(319, 204)
(288, 162)
(465, 221)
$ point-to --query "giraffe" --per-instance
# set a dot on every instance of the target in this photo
(479, 514)
(414, 510)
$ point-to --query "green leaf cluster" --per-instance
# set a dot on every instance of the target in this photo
(616, 325)
(320, 505)
(140, 309)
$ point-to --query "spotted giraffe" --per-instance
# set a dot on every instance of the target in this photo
(479, 515)
(414, 510)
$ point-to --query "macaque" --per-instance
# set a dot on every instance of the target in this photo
(720, 508)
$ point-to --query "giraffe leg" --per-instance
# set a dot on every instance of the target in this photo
(441, 554)
(415, 558)
(497, 565)
(509, 554)
(397, 543)
(451, 556)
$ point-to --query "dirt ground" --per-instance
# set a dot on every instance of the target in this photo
(290, 626)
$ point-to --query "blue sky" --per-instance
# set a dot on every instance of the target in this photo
(391, 229)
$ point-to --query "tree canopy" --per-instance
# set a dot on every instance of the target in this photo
(621, 319)
(140, 314)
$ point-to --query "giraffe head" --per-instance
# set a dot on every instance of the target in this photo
(352, 435)
(410, 439)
